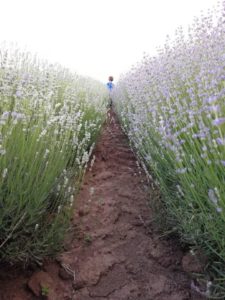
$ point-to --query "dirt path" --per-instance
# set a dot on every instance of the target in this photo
(113, 252)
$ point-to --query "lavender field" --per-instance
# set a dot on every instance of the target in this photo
(49, 122)
(172, 107)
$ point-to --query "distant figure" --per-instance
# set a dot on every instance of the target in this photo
(110, 84)
(110, 87)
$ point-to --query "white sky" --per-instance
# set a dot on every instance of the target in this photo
(97, 38)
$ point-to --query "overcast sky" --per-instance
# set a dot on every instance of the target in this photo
(95, 37)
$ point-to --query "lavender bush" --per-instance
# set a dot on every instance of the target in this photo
(49, 121)
(172, 107)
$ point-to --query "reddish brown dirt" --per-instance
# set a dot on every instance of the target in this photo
(113, 251)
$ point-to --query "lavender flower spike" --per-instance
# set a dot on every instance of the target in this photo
(18, 94)
(220, 141)
(218, 121)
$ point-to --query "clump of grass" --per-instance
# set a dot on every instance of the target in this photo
(44, 291)
(88, 239)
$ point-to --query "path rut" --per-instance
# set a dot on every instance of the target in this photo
(120, 256)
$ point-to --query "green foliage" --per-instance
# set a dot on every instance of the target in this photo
(49, 122)
(173, 110)
(88, 239)
(44, 291)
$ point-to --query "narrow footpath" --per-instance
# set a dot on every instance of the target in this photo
(113, 251)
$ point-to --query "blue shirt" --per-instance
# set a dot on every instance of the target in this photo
(110, 85)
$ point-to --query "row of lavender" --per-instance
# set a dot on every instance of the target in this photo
(49, 121)
(172, 107)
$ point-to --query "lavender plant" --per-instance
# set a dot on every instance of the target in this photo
(49, 122)
(172, 108)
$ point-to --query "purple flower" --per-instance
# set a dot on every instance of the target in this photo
(181, 142)
(214, 108)
(223, 162)
(220, 141)
(6, 114)
(18, 94)
(211, 99)
(17, 115)
(219, 209)
(199, 135)
(218, 121)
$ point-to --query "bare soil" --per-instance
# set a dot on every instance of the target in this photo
(113, 251)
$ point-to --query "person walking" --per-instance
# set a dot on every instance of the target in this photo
(110, 86)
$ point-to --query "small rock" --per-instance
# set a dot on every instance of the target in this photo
(166, 261)
(40, 280)
(137, 223)
(81, 212)
(64, 274)
(193, 263)
(67, 297)
(79, 284)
